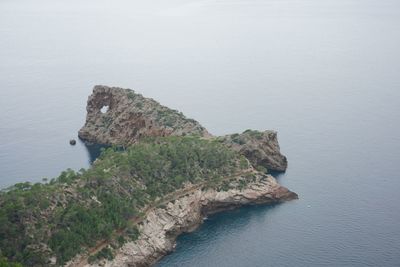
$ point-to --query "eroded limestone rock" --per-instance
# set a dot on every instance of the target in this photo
(121, 116)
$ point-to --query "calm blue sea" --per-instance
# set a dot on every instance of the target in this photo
(324, 73)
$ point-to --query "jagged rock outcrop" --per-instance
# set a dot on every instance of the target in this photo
(260, 148)
(121, 116)
(184, 214)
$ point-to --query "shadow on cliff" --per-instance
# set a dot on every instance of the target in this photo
(93, 150)
(277, 174)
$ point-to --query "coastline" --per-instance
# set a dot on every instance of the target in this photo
(161, 227)
(129, 207)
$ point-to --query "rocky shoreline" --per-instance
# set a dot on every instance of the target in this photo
(161, 227)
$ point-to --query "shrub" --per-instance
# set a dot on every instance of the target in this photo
(85, 207)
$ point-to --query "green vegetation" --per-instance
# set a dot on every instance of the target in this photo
(254, 133)
(105, 253)
(161, 114)
(170, 117)
(132, 232)
(241, 139)
(261, 169)
(238, 139)
(131, 94)
(77, 210)
(5, 263)
(106, 120)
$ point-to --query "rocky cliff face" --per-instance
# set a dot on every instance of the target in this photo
(260, 148)
(184, 214)
(121, 116)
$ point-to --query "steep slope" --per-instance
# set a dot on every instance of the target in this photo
(121, 116)
(261, 148)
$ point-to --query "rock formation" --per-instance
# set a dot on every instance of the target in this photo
(260, 148)
(117, 116)
(121, 116)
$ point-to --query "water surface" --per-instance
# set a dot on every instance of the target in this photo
(323, 73)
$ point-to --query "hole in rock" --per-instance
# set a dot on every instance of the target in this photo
(104, 109)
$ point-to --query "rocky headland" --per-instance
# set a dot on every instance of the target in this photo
(132, 117)
(162, 175)
(129, 117)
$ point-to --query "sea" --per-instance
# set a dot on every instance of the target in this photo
(325, 74)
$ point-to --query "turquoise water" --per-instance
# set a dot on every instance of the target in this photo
(324, 74)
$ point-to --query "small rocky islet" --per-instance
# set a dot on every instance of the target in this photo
(161, 176)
